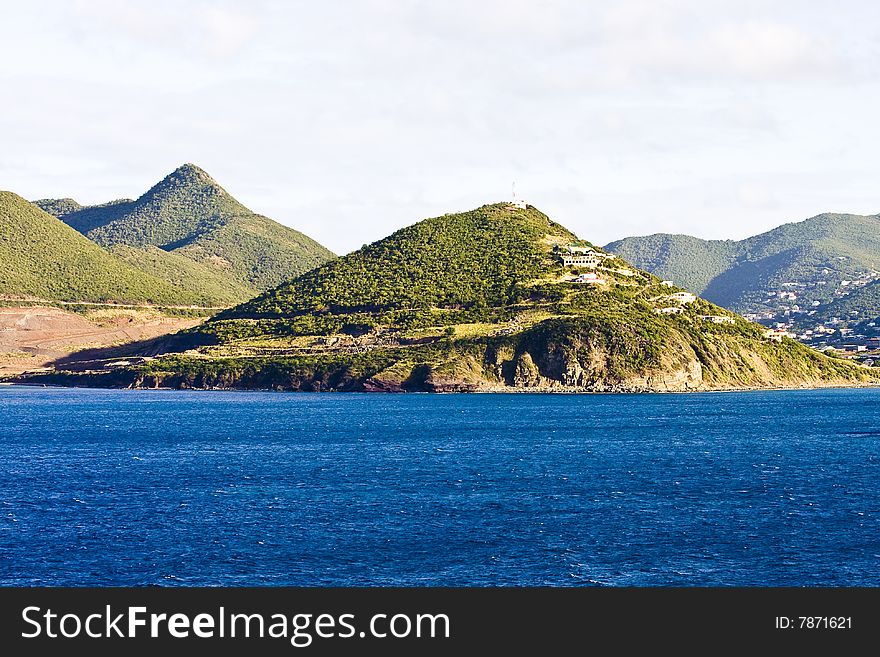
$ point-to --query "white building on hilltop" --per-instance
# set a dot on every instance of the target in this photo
(588, 260)
(516, 202)
(717, 319)
(574, 248)
(671, 310)
(682, 297)
(776, 335)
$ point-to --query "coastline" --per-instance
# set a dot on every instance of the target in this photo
(499, 390)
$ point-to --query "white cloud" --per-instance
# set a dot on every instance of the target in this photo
(753, 195)
(195, 28)
(641, 42)
(228, 30)
(350, 119)
(768, 50)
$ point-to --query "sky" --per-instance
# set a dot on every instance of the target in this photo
(348, 120)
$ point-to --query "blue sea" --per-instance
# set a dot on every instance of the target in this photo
(245, 488)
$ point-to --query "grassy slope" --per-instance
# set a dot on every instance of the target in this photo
(256, 251)
(188, 212)
(43, 258)
(206, 285)
(470, 301)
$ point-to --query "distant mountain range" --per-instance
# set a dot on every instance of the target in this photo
(800, 274)
(497, 298)
(187, 232)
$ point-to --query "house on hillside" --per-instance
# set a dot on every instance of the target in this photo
(671, 310)
(588, 260)
(777, 334)
(589, 278)
(717, 319)
(574, 248)
(682, 297)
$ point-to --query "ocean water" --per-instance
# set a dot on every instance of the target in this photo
(236, 488)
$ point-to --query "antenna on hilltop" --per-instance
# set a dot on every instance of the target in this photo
(514, 202)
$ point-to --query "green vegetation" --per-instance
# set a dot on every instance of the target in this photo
(207, 285)
(691, 262)
(189, 214)
(863, 304)
(255, 252)
(814, 256)
(483, 258)
(41, 257)
(479, 300)
(58, 207)
(473, 301)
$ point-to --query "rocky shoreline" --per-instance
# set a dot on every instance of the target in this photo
(105, 381)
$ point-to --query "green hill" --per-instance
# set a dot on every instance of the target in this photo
(862, 304)
(41, 257)
(810, 259)
(58, 207)
(691, 262)
(190, 214)
(480, 300)
(205, 283)
(474, 259)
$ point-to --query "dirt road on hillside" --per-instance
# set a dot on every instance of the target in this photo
(33, 337)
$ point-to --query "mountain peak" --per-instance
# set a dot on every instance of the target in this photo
(483, 257)
(190, 213)
(189, 173)
(188, 168)
(192, 186)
